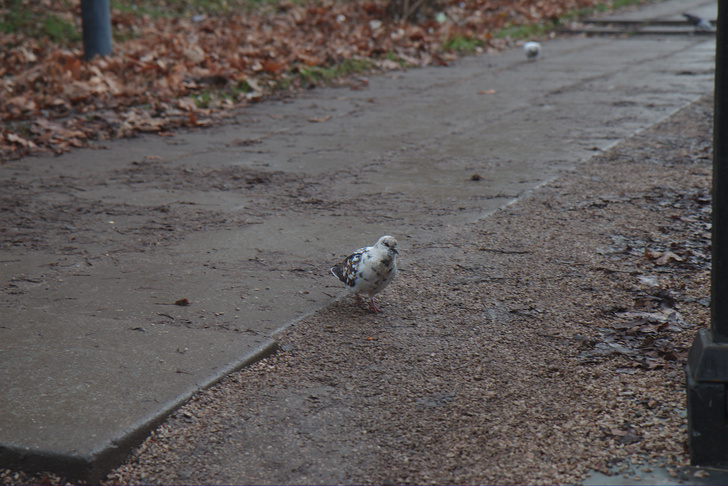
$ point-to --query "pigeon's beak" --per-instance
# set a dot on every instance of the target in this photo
(394, 250)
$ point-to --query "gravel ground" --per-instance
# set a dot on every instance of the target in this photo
(524, 348)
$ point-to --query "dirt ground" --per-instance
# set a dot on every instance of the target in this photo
(524, 348)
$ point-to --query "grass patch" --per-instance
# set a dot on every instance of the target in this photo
(38, 23)
(391, 56)
(188, 8)
(241, 87)
(315, 75)
(204, 99)
(459, 43)
(60, 31)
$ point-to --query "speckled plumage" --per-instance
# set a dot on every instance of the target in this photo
(369, 270)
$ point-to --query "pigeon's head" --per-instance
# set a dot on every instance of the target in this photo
(388, 243)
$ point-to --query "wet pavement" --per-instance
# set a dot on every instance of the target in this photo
(94, 350)
(640, 473)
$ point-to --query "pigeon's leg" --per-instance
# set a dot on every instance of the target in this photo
(373, 306)
(358, 299)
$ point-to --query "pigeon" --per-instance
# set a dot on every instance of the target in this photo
(700, 23)
(532, 49)
(369, 270)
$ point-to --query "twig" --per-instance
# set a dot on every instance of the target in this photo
(412, 10)
(507, 252)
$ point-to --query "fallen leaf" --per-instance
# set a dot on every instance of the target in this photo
(13, 138)
(651, 254)
(662, 258)
(667, 257)
(272, 67)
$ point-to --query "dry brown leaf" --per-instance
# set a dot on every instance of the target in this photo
(651, 254)
(13, 138)
(272, 67)
(667, 257)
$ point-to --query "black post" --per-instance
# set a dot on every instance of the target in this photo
(96, 23)
(707, 369)
(719, 306)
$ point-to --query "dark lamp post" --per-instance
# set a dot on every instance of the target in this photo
(96, 23)
(707, 369)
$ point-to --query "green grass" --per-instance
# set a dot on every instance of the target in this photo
(209, 97)
(315, 75)
(240, 88)
(466, 45)
(391, 56)
(60, 31)
(204, 99)
(168, 8)
(187, 8)
(38, 23)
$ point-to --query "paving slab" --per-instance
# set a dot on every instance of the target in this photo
(670, 10)
(243, 221)
(664, 18)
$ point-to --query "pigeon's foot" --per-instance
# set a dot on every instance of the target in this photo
(373, 306)
(359, 301)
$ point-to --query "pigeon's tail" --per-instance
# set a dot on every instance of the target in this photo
(336, 272)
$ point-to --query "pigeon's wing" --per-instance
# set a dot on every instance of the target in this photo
(346, 271)
(336, 270)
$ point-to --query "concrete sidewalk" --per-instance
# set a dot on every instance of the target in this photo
(244, 221)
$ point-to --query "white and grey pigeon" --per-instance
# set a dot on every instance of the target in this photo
(532, 49)
(700, 23)
(369, 270)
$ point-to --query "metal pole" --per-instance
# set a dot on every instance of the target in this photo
(707, 369)
(96, 23)
(719, 276)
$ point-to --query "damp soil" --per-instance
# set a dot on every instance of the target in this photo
(529, 347)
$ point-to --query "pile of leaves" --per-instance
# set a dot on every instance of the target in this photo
(190, 69)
